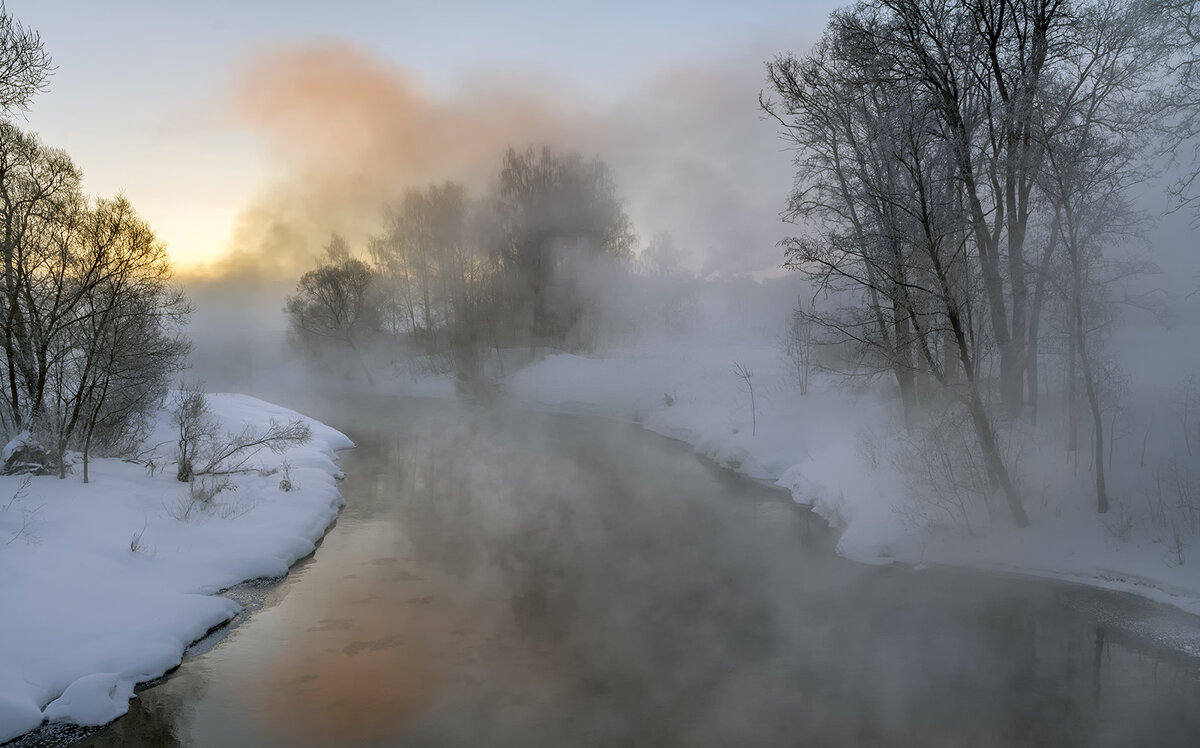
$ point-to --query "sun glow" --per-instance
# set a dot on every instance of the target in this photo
(196, 237)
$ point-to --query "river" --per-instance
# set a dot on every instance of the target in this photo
(505, 578)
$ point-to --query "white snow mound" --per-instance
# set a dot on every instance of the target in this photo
(92, 700)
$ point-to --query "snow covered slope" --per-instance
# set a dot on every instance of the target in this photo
(104, 585)
(834, 449)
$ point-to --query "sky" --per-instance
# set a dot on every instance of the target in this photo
(223, 120)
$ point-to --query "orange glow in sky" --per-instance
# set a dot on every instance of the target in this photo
(144, 100)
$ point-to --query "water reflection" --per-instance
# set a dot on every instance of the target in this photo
(508, 579)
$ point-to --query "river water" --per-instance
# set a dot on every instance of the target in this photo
(502, 578)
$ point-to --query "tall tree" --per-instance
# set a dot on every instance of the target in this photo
(934, 138)
(39, 191)
(558, 214)
(123, 341)
(982, 65)
(1096, 135)
(89, 326)
(874, 169)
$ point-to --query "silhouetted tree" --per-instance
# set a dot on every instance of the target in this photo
(89, 325)
(24, 64)
(558, 215)
(431, 259)
(334, 303)
(124, 343)
(39, 198)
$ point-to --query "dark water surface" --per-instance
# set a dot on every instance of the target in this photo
(501, 578)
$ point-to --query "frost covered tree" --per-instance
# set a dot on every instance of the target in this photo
(1096, 136)
(872, 166)
(1183, 126)
(931, 137)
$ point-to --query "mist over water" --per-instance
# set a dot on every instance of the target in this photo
(512, 579)
(509, 578)
(926, 358)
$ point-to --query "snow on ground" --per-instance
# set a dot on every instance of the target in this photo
(833, 450)
(104, 585)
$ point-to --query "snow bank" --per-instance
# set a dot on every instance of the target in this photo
(833, 450)
(104, 585)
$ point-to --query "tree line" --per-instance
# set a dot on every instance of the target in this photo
(451, 274)
(965, 169)
(90, 326)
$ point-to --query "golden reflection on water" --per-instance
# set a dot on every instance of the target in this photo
(372, 658)
(389, 644)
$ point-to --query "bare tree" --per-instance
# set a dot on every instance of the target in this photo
(798, 345)
(39, 192)
(107, 328)
(1095, 134)
(232, 453)
(24, 64)
(876, 168)
(195, 425)
(451, 275)
(334, 303)
(746, 376)
(933, 145)
(205, 450)
(1182, 126)
(433, 262)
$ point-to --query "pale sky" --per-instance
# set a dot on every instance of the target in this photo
(141, 96)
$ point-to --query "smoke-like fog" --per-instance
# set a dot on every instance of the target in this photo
(347, 133)
(515, 579)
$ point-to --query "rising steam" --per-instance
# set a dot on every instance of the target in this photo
(347, 133)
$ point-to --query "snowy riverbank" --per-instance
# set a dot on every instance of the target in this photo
(104, 585)
(833, 449)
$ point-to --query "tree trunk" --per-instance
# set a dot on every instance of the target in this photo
(903, 365)
(1014, 379)
(997, 471)
(87, 452)
(951, 361)
(1089, 382)
(993, 462)
(1031, 370)
(1035, 317)
(1097, 419)
(1072, 397)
